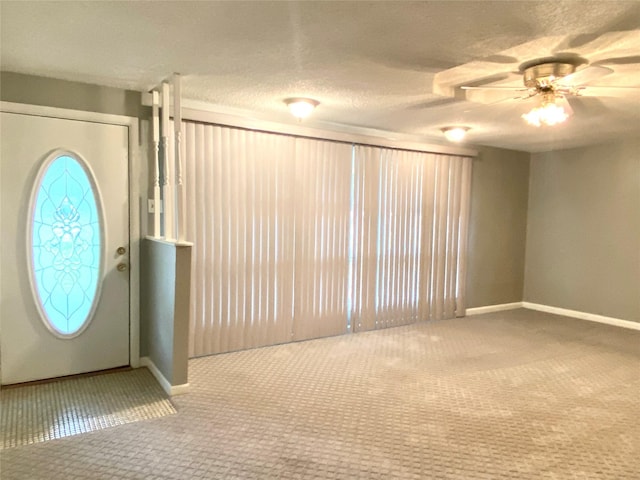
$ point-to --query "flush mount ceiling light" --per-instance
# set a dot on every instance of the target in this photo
(455, 134)
(301, 107)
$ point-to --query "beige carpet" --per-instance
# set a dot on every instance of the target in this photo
(514, 395)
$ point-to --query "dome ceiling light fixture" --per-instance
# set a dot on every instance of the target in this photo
(455, 134)
(300, 107)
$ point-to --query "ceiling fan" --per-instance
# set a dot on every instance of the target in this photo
(553, 81)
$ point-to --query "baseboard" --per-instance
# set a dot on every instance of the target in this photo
(583, 315)
(164, 383)
(493, 308)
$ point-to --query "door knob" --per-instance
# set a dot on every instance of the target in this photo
(122, 267)
(121, 250)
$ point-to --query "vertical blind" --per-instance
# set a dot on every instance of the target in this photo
(240, 187)
(322, 199)
(445, 256)
(410, 229)
(297, 238)
(388, 209)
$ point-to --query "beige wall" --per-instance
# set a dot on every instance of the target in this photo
(583, 239)
(497, 227)
(19, 88)
(165, 282)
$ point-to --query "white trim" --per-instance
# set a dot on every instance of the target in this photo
(134, 197)
(493, 308)
(134, 241)
(592, 317)
(358, 135)
(169, 242)
(164, 383)
(234, 117)
(156, 163)
(42, 111)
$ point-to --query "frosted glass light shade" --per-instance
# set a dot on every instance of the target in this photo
(455, 134)
(301, 107)
(548, 114)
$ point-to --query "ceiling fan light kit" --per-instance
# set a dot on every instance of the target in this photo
(549, 113)
(542, 79)
(556, 82)
(455, 134)
(545, 74)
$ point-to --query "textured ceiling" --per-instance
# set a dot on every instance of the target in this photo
(391, 66)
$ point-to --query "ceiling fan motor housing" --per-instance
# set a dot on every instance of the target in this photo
(543, 75)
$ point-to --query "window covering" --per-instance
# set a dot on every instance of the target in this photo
(298, 238)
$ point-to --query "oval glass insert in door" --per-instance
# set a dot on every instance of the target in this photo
(65, 243)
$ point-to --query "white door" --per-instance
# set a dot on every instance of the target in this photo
(64, 211)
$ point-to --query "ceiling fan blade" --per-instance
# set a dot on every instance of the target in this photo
(432, 103)
(488, 87)
(615, 87)
(511, 97)
(511, 102)
(491, 96)
(584, 76)
(607, 91)
(566, 90)
(590, 106)
(562, 101)
(619, 60)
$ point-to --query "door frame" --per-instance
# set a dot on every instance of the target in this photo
(131, 123)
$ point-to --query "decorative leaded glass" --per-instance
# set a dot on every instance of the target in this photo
(65, 245)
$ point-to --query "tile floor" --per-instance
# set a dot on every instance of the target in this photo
(38, 413)
(511, 395)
